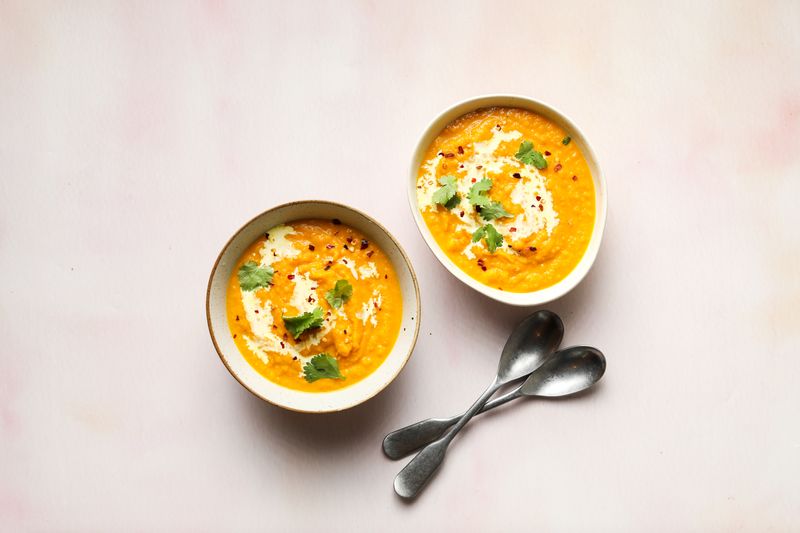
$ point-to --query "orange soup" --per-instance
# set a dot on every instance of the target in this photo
(314, 306)
(509, 197)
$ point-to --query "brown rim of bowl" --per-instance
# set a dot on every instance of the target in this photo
(388, 234)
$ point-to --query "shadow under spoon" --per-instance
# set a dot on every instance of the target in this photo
(531, 343)
(566, 372)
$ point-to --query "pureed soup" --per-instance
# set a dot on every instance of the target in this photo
(509, 198)
(314, 306)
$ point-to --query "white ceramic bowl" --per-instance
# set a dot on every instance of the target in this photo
(505, 100)
(311, 402)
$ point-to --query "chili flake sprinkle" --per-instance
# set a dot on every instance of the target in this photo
(364, 243)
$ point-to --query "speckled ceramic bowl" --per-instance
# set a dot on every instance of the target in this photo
(311, 402)
(503, 100)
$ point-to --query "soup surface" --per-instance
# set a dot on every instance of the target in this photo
(314, 306)
(509, 197)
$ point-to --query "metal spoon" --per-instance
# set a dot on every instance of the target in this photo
(566, 372)
(530, 344)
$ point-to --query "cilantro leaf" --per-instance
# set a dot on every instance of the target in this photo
(494, 210)
(491, 235)
(565, 141)
(529, 156)
(252, 276)
(321, 366)
(493, 238)
(296, 325)
(447, 194)
(477, 193)
(340, 293)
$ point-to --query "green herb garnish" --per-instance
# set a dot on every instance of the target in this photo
(339, 294)
(565, 141)
(529, 156)
(296, 325)
(491, 236)
(447, 194)
(252, 276)
(489, 209)
(477, 193)
(321, 366)
(494, 210)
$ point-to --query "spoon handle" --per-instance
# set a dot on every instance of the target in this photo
(411, 479)
(402, 442)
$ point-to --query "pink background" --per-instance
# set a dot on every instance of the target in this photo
(136, 137)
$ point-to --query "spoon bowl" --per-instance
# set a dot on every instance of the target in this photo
(567, 372)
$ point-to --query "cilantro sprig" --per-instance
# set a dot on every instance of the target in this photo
(529, 156)
(297, 325)
(447, 194)
(322, 366)
(491, 236)
(489, 209)
(565, 141)
(252, 276)
(339, 294)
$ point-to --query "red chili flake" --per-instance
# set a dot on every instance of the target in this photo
(497, 126)
(285, 336)
(478, 208)
(290, 276)
(274, 326)
(375, 304)
(266, 236)
(327, 267)
(349, 239)
(557, 167)
(329, 246)
(364, 243)
(234, 335)
(344, 261)
(460, 149)
(256, 311)
(574, 178)
(460, 166)
(345, 247)
(283, 345)
(474, 180)
(386, 276)
(483, 267)
(538, 198)
(311, 299)
(345, 332)
(237, 318)
(546, 152)
(461, 214)
(517, 175)
(541, 207)
(512, 230)
(369, 254)
(479, 167)
(336, 221)
(311, 247)
(449, 155)
(294, 358)
(440, 153)
(532, 248)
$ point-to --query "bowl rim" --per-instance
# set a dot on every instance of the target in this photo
(581, 269)
(406, 259)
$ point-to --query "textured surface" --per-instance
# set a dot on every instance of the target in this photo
(135, 138)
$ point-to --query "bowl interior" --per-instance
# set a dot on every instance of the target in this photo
(573, 278)
(316, 402)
